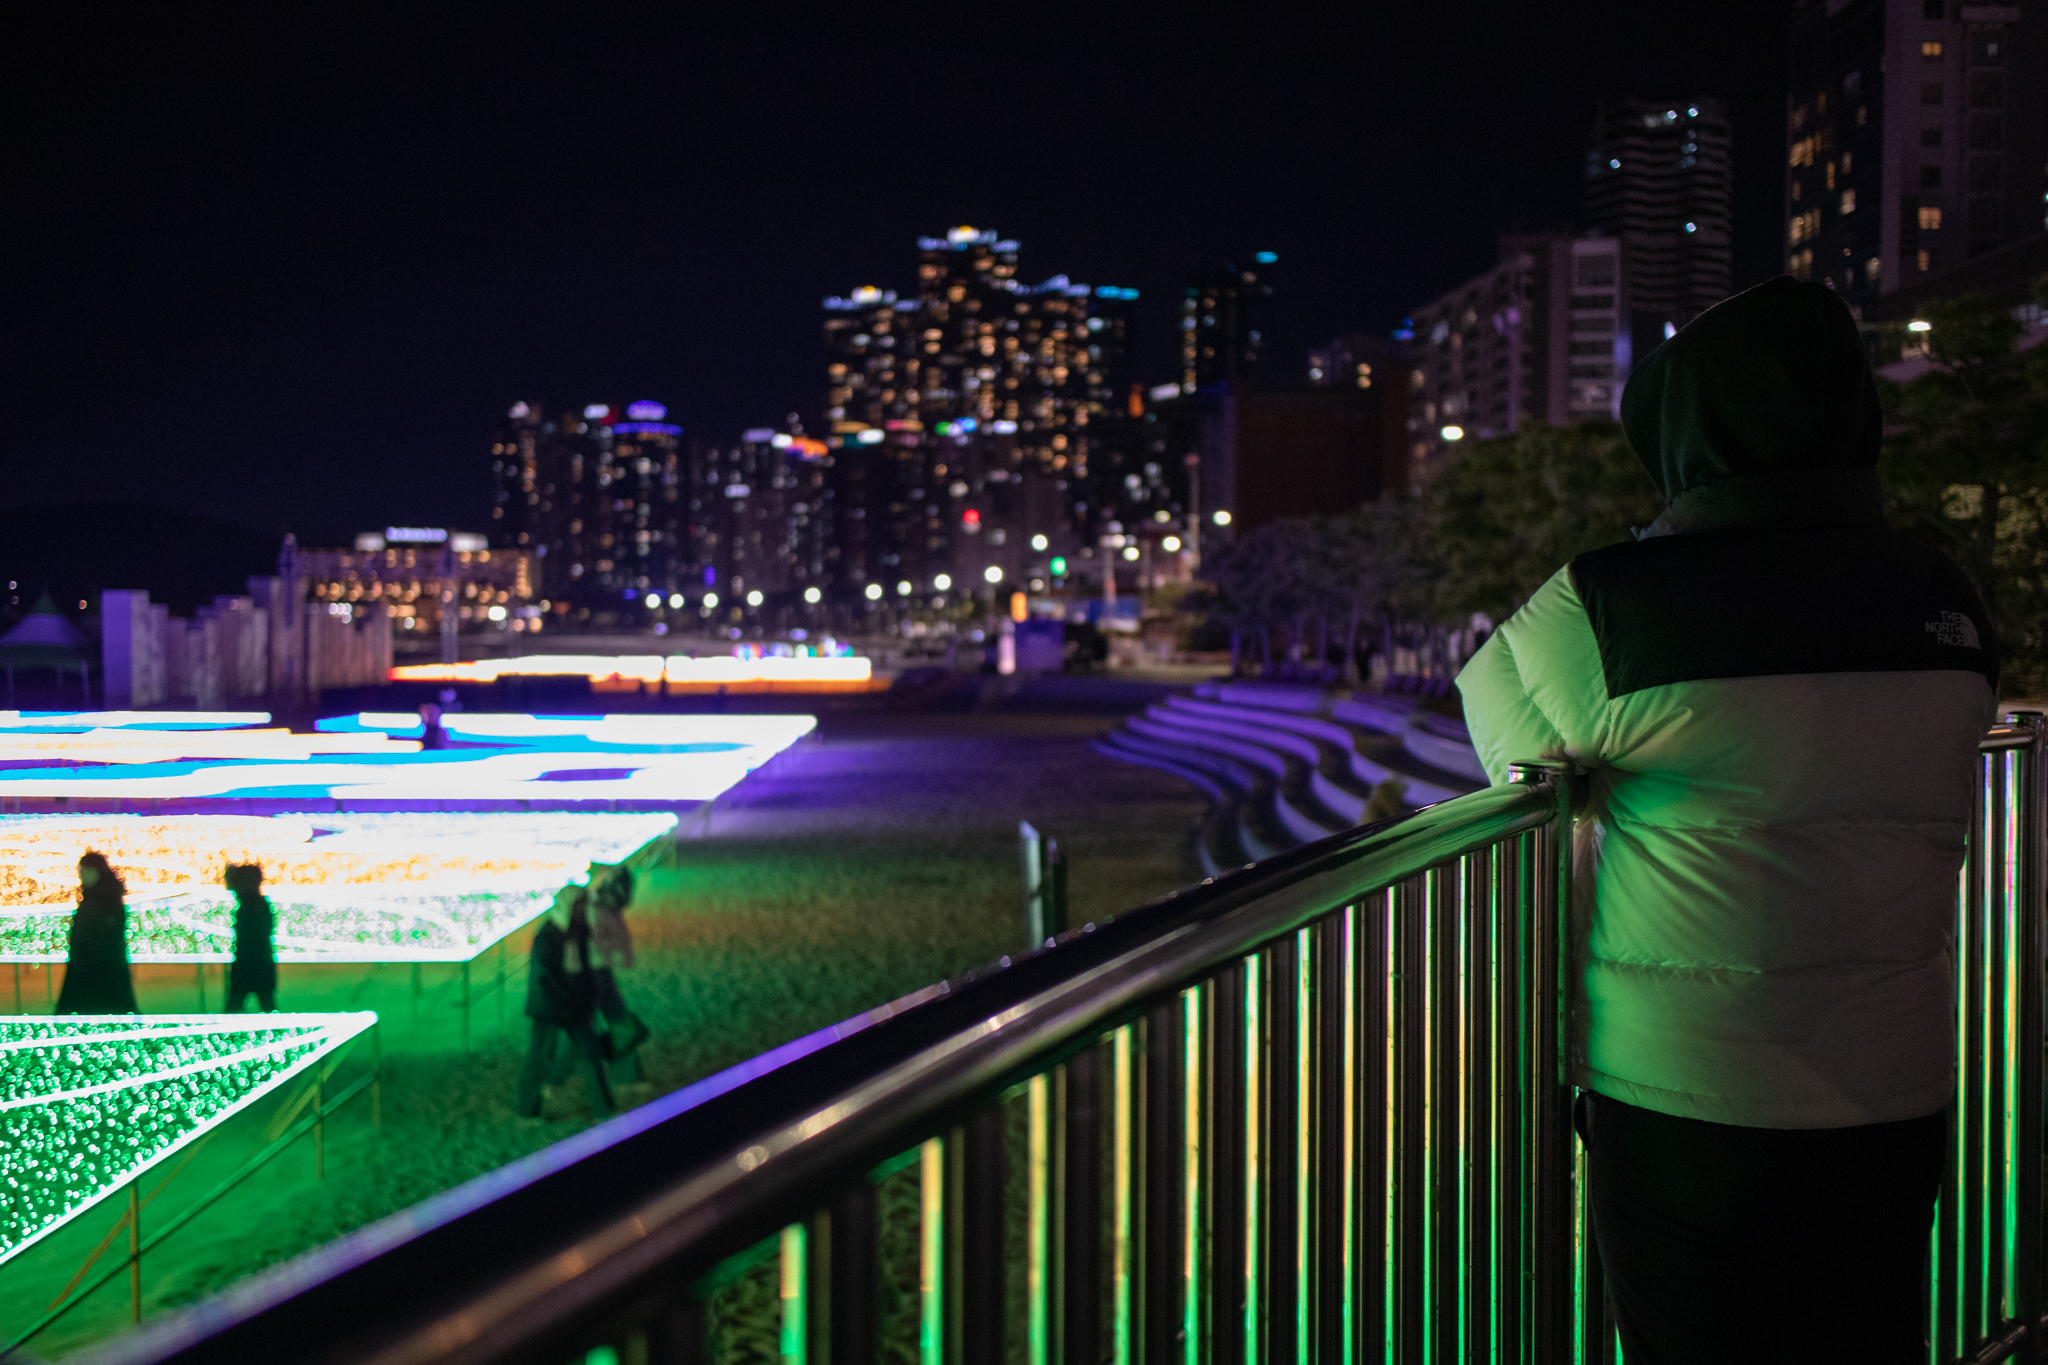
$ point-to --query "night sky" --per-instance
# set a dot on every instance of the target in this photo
(285, 268)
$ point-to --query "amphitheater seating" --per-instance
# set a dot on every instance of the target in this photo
(1286, 765)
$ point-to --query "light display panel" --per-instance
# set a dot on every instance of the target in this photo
(62, 721)
(345, 887)
(89, 1102)
(503, 760)
(674, 673)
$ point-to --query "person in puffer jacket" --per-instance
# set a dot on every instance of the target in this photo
(1776, 701)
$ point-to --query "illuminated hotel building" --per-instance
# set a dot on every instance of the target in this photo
(964, 418)
(405, 569)
(598, 496)
(1916, 137)
(1543, 336)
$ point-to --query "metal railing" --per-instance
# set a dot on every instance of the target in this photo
(1313, 1110)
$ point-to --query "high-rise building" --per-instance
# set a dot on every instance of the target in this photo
(762, 511)
(1659, 178)
(967, 419)
(1542, 336)
(1916, 137)
(597, 496)
(1222, 313)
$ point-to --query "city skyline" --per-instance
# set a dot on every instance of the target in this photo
(310, 329)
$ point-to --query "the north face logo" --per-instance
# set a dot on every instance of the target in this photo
(1954, 628)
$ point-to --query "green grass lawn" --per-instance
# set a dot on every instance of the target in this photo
(858, 868)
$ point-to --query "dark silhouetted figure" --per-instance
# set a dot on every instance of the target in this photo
(611, 943)
(561, 999)
(1778, 698)
(433, 734)
(255, 969)
(96, 979)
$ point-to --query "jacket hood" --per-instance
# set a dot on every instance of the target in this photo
(1762, 410)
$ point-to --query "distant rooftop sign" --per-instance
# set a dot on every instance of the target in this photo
(596, 412)
(520, 410)
(646, 411)
(752, 434)
(462, 541)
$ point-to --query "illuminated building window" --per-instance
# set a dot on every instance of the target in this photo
(1931, 51)
(1930, 218)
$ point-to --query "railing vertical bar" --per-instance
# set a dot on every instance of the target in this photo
(795, 1277)
(982, 1282)
(1332, 1317)
(1161, 1220)
(1226, 1130)
(1348, 1155)
(1983, 1301)
(1193, 1156)
(1255, 1155)
(1387, 1045)
(1411, 1103)
(931, 1259)
(1468, 1101)
(1273, 1333)
(1038, 1206)
(1122, 1277)
(1081, 1212)
(1305, 1052)
(2028, 948)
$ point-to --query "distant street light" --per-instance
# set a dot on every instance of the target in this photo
(1453, 433)
(992, 574)
(754, 598)
(874, 591)
(943, 581)
(813, 596)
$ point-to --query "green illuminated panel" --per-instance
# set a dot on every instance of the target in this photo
(87, 1103)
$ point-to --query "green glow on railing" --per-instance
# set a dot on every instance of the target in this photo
(1987, 931)
(1496, 1086)
(2009, 1119)
(1304, 1136)
(1191, 1176)
(794, 1263)
(1426, 1082)
(1120, 1194)
(931, 1261)
(1038, 1224)
(1348, 1155)
(1254, 1153)
(1390, 1204)
(1461, 1171)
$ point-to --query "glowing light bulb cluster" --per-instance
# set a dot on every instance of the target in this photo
(345, 887)
(503, 761)
(87, 1103)
(676, 673)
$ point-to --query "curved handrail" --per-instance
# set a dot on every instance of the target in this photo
(473, 1272)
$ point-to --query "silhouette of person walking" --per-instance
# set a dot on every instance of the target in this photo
(255, 969)
(96, 979)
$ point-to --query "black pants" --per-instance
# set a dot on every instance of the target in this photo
(547, 1037)
(1726, 1244)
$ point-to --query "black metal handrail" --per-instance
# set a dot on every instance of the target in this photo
(1307, 1109)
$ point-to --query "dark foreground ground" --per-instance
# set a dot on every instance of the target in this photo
(857, 868)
